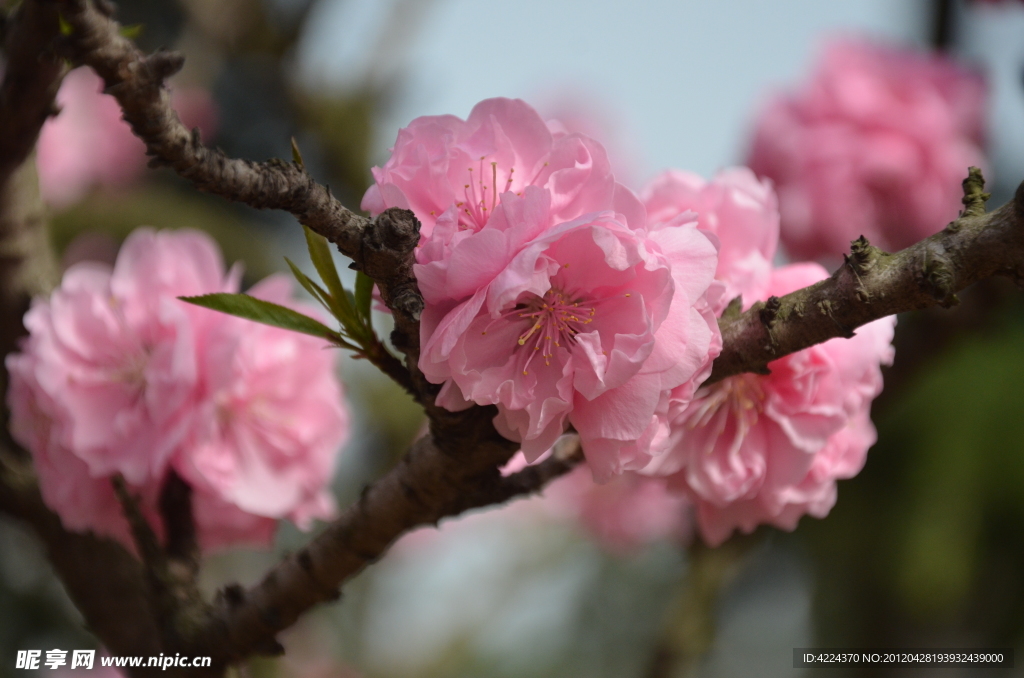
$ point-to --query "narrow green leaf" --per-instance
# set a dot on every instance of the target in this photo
(342, 305)
(317, 292)
(131, 32)
(251, 308)
(364, 296)
(297, 154)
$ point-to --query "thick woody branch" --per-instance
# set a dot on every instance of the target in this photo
(106, 582)
(32, 76)
(430, 483)
(873, 284)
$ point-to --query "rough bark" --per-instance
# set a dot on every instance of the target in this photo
(873, 284)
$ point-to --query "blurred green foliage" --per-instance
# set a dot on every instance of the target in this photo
(923, 547)
(163, 206)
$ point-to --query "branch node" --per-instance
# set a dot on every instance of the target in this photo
(162, 65)
(861, 254)
(396, 229)
(409, 302)
(733, 309)
(974, 194)
(271, 616)
(232, 594)
(770, 311)
(937, 275)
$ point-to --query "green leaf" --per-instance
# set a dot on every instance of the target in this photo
(65, 26)
(131, 32)
(251, 308)
(297, 154)
(364, 295)
(317, 292)
(341, 301)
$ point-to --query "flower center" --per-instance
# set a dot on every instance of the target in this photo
(741, 396)
(484, 183)
(555, 320)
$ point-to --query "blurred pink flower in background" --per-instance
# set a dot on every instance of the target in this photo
(877, 144)
(626, 513)
(118, 376)
(267, 438)
(545, 293)
(755, 449)
(89, 144)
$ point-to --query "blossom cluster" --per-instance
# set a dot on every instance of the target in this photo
(875, 144)
(547, 293)
(119, 377)
(569, 302)
(552, 292)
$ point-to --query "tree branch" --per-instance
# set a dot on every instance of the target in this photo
(105, 582)
(455, 468)
(31, 80)
(430, 483)
(873, 284)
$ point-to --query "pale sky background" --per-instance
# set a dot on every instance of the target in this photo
(681, 80)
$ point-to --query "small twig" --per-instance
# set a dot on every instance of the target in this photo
(689, 631)
(179, 523)
(873, 284)
(143, 535)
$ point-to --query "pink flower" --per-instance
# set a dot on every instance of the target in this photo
(121, 365)
(89, 144)
(740, 210)
(552, 300)
(270, 430)
(757, 449)
(876, 144)
(444, 167)
(82, 501)
(764, 449)
(119, 376)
